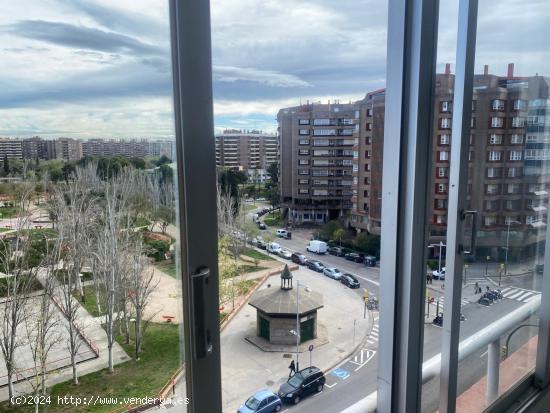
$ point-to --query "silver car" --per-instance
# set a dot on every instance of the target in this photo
(334, 273)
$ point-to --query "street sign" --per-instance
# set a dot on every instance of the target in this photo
(310, 347)
(366, 294)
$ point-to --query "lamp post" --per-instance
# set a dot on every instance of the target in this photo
(507, 240)
(440, 245)
(297, 331)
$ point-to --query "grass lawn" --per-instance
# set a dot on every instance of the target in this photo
(246, 268)
(159, 361)
(41, 233)
(90, 303)
(257, 255)
(168, 267)
(9, 212)
(246, 285)
(4, 229)
(273, 219)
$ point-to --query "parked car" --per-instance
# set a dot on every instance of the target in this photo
(273, 247)
(260, 199)
(286, 254)
(339, 252)
(263, 401)
(353, 256)
(485, 301)
(370, 261)
(315, 265)
(307, 381)
(260, 243)
(297, 258)
(439, 275)
(333, 273)
(318, 247)
(255, 217)
(350, 281)
(281, 233)
(261, 225)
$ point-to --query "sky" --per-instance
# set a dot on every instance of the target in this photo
(99, 68)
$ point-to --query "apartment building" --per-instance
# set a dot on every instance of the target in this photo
(247, 150)
(11, 148)
(114, 147)
(318, 144)
(509, 179)
(367, 195)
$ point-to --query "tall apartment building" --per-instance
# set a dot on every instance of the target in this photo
(317, 154)
(367, 193)
(11, 148)
(246, 150)
(66, 149)
(509, 176)
(113, 147)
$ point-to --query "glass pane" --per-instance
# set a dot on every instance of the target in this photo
(299, 104)
(508, 186)
(89, 288)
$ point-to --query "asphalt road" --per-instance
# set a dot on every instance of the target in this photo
(356, 377)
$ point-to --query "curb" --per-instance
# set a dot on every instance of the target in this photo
(348, 355)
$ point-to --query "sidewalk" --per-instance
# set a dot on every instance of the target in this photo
(246, 368)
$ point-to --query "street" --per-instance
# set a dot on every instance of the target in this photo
(356, 377)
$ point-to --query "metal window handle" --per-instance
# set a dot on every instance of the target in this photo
(473, 236)
(202, 338)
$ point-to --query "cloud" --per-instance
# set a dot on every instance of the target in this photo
(268, 77)
(64, 34)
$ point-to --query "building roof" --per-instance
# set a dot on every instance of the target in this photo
(275, 301)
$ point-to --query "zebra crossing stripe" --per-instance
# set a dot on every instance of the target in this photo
(524, 296)
(514, 295)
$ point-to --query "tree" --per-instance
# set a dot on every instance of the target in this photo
(326, 232)
(163, 160)
(338, 235)
(6, 165)
(138, 163)
(18, 281)
(43, 321)
(368, 243)
(273, 172)
(141, 285)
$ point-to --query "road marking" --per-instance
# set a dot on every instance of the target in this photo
(340, 373)
(355, 362)
(370, 355)
(368, 280)
(483, 354)
(330, 386)
(371, 341)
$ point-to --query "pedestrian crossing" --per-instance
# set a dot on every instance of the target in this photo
(373, 336)
(463, 302)
(519, 294)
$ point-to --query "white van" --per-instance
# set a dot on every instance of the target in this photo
(255, 217)
(318, 247)
(282, 233)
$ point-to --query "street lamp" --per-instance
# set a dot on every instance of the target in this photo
(297, 331)
(440, 245)
(507, 239)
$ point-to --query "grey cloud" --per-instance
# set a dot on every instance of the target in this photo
(126, 21)
(268, 77)
(68, 35)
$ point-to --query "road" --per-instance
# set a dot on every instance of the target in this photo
(356, 377)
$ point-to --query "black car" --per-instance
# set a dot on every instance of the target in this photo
(304, 382)
(297, 258)
(370, 261)
(261, 225)
(350, 281)
(339, 252)
(353, 256)
(315, 266)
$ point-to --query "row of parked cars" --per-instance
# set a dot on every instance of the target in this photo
(331, 272)
(369, 260)
(301, 384)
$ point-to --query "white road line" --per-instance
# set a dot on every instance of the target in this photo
(483, 354)
(514, 295)
(368, 280)
(330, 386)
(370, 341)
(506, 290)
(524, 296)
(355, 362)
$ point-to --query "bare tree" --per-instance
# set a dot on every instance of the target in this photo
(43, 322)
(112, 241)
(141, 285)
(75, 207)
(17, 283)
